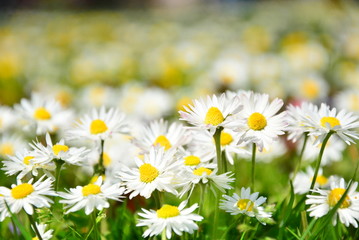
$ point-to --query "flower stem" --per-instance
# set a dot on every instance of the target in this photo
(100, 168)
(325, 141)
(301, 155)
(59, 164)
(94, 216)
(254, 149)
(32, 222)
(163, 235)
(217, 140)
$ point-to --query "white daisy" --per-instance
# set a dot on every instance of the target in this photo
(23, 163)
(156, 171)
(158, 133)
(8, 119)
(310, 87)
(10, 144)
(295, 116)
(99, 125)
(203, 175)
(45, 115)
(28, 195)
(192, 159)
(247, 203)
(210, 113)
(325, 200)
(168, 218)
(91, 196)
(60, 150)
(228, 140)
(348, 99)
(323, 121)
(259, 122)
(45, 235)
(302, 180)
(275, 150)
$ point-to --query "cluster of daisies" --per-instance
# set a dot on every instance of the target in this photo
(123, 157)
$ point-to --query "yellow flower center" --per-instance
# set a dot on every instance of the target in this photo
(243, 203)
(257, 121)
(57, 148)
(310, 89)
(214, 116)
(201, 170)
(90, 189)
(192, 160)
(35, 238)
(333, 121)
(98, 126)
(7, 149)
(22, 190)
(226, 138)
(42, 114)
(27, 159)
(163, 141)
(167, 211)
(106, 159)
(321, 180)
(148, 173)
(335, 195)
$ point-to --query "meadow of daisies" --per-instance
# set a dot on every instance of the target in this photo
(203, 125)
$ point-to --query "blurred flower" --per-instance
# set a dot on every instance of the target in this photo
(302, 180)
(45, 115)
(45, 235)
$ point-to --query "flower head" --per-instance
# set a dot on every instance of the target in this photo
(169, 218)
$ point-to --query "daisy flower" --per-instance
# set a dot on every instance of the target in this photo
(202, 174)
(45, 115)
(228, 141)
(259, 122)
(348, 99)
(45, 235)
(8, 119)
(169, 218)
(156, 171)
(99, 125)
(321, 204)
(247, 203)
(295, 116)
(158, 133)
(91, 196)
(323, 121)
(27, 195)
(10, 144)
(194, 158)
(302, 180)
(60, 150)
(23, 163)
(210, 113)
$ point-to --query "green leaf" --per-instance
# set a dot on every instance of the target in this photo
(18, 224)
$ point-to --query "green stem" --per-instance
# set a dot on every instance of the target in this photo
(94, 216)
(230, 227)
(59, 164)
(201, 203)
(217, 140)
(33, 223)
(325, 141)
(254, 149)
(301, 155)
(163, 235)
(15, 228)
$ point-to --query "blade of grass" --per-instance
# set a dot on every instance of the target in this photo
(18, 224)
(292, 232)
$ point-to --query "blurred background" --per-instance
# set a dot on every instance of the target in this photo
(109, 53)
